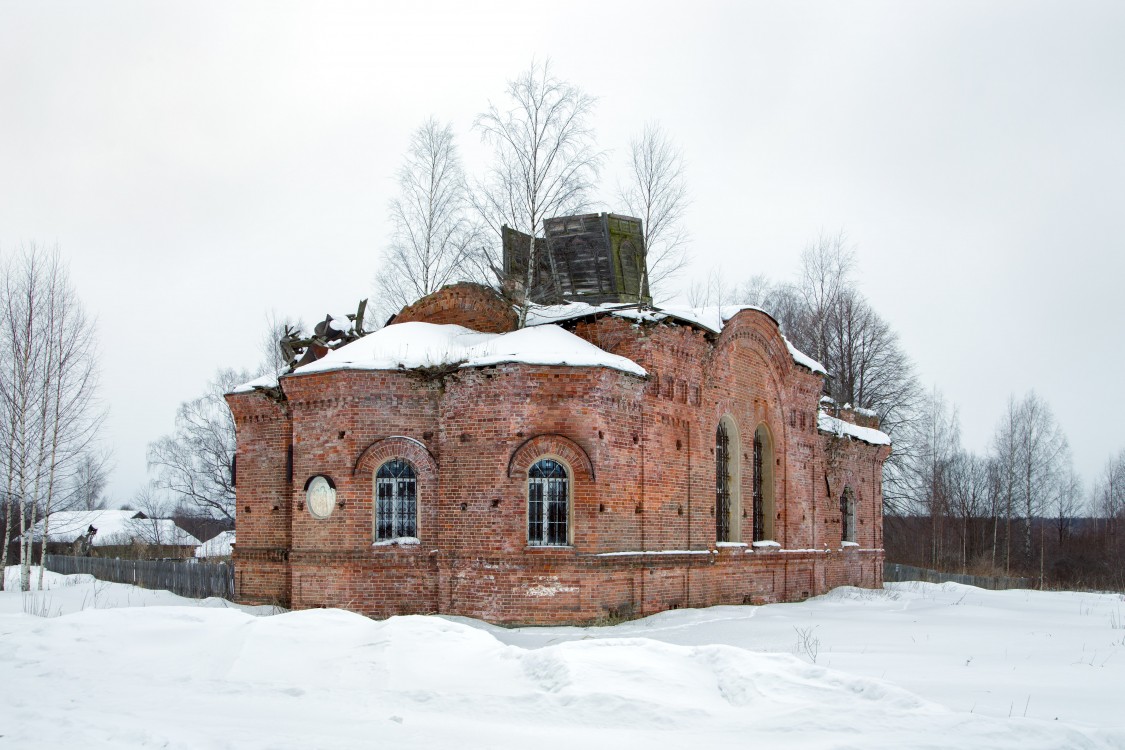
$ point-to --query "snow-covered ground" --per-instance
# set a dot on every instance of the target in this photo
(915, 666)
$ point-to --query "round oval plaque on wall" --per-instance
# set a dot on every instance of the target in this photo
(320, 497)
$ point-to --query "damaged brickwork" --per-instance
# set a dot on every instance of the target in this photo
(640, 455)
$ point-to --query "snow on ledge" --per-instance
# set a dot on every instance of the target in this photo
(803, 359)
(398, 540)
(656, 552)
(849, 544)
(730, 544)
(766, 543)
(269, 380)
(838, 427)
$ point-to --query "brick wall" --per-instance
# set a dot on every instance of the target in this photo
(641, 459)
(263, 510)
(471, 305)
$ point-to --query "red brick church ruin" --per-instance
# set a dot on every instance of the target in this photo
(609, 460)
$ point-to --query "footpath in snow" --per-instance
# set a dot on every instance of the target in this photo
(105, 665)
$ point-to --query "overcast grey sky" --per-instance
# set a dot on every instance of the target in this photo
(201, 164)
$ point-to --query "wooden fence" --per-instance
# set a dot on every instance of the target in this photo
(184, 577)
(894, 572)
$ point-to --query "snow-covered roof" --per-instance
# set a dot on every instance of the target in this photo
(709, 318)
(114, 527)
(803, 359)
(68, 525)
(415, 345)
(830, 424)
(219, 546)
(269, 380)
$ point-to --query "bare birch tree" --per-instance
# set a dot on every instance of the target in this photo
(1109, 492)
(48, 388)
(544, 160)
(713, 290)
(433, 236)
(656, 193)
(1005, 449)
(1043, 455)
(1033, 458)
(1068, 503)
(20, 351)
(938, 445)
(89, 480)
(970, 496)
(825, 276)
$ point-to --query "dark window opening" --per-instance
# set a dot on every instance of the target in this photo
(548, 504)
(759, 500)
(396, 500)
(722, 485)
(847, 516)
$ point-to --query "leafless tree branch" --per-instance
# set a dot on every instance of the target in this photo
(656, 192)
(544, 161)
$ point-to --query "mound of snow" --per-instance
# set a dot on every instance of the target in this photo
(177, 676)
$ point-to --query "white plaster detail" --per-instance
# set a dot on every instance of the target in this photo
(320, 498)
(549, 586)
(417, 442)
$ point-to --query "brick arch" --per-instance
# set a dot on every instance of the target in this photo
(532, 449)
(839, 479)
(398, 446)
(760, 334)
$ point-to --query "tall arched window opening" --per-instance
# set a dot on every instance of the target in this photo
(724, 485)
(548, 504)
(847, 515)
(396, 500)
(763, 485)
(759, 511)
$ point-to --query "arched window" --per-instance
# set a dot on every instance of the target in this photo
(548, 504)
(726, 482)
(763, 484)
(396, 500)
(847, 515)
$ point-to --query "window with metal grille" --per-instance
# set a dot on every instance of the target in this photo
(396, 500)
(722, 484)
(759, 499)
(548, 504)
(847, 516)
